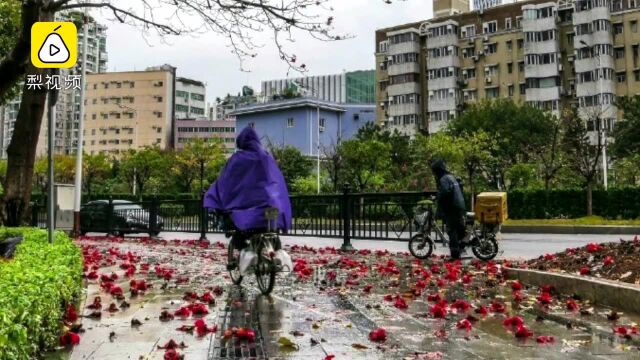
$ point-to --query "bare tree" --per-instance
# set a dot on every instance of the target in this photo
(583, 148)
(236, 20)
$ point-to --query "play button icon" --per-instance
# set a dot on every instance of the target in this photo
(53, 50)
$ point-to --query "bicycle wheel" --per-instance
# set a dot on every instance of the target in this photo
(233, 256)
(265, 269)
(485, 248)
(420, 246)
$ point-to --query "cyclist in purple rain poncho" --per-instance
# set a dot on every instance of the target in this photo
(250, 183)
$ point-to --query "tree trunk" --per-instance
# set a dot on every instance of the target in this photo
(589, 198)
(21, 154)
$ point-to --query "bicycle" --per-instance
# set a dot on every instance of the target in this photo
(481, 238)
(265, 245)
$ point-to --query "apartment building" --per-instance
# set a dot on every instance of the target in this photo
(548, 53)
(129, 110)
(190, 99)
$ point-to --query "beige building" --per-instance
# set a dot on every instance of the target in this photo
(547, 53)
(129, 110)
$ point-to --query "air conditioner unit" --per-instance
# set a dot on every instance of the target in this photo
(471, 41)
(560, 67)
(465, 82)
(487, 80)
(480, 53)
(475, 58)
(464, 52)
(464, 72)
(485, 38)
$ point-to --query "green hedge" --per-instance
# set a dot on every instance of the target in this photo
(35, 286)
(616, 203)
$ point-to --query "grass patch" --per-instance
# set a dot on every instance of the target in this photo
(35, 287)
(587, 220)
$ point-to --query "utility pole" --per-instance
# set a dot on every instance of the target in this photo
(77, 201)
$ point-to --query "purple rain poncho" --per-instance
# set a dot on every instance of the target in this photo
(250, 183)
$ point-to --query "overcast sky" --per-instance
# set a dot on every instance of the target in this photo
(207, 58)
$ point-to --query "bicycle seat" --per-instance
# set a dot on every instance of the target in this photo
(470, 215)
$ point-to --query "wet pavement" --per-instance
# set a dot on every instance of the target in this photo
(327, 308)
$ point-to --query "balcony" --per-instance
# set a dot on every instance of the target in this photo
(540, 71)
(405, 68)
(404, 109)
(403, 48)
(543, 94)
(401, 89)
(443, 61)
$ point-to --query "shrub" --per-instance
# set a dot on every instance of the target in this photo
(35, 287)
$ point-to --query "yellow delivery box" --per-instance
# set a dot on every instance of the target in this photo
(491, 207)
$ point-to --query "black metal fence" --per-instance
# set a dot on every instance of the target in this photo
(381, 216)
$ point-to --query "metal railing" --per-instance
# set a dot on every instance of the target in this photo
(375, 216)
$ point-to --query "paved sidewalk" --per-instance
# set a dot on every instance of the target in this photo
(325, 309)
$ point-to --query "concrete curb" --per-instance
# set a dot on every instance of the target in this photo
(571, 229)
(615, 294)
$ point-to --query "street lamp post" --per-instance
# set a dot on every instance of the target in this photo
(51, 123)
(602, 133)
(78, 176)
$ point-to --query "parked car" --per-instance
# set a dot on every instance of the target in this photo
(127, 218)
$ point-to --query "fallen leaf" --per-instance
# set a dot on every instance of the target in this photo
(286, 343)
(359, 346)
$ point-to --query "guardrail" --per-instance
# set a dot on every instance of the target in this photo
(375, 216)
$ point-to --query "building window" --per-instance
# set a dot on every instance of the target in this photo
(321, 125)
(197, 97)
(618, 29)
(523, 89)
(93, 116)
(106, 85)
(521, 66)
(468, 31)
(159, 130)
(468, 52)
(509, 45)
(632, 4)
(468, 73)
(95, 101)
(510, 90)
(132, 84)
(520, 43)
(491, 48)
(118, 85)
(490, 27)
(93, 131)
(492, 93)
(620, 53)
(95, 86)
(621, 77)
(159, 98)
(633, 25)
(518, 22)
(510, 68)
(105, 116)
(507, 23)
(570, 37)
(159, 114)
(290, 122)
(470, 95)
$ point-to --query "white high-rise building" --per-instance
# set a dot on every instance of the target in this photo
(190, 99)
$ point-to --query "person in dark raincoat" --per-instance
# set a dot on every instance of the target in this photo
(451, 206)
(250, 183)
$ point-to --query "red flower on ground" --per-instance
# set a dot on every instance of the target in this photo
(198, 309)
(97, 303)
(545, 339)
(183, 312)
(438, 311)
(367, 288)
(497, 307)
(621, 330)
(378, 335)
(467, 278)
(513, 322)
(522, 332)
(71, 315)
(572, 305)
(549, 257)
(464, 324)
(544, 298)
(172, 354)
(518, 296)
(608, 261)
(482, 310)
(593, 247)
(516, 285)
(400, 303)
(69, 339)
(461, 305)
(585, 270)
(202, 329)
(434, 297)
(388, 297)
(116, 291)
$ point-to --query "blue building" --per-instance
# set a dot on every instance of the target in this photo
(294, 122)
